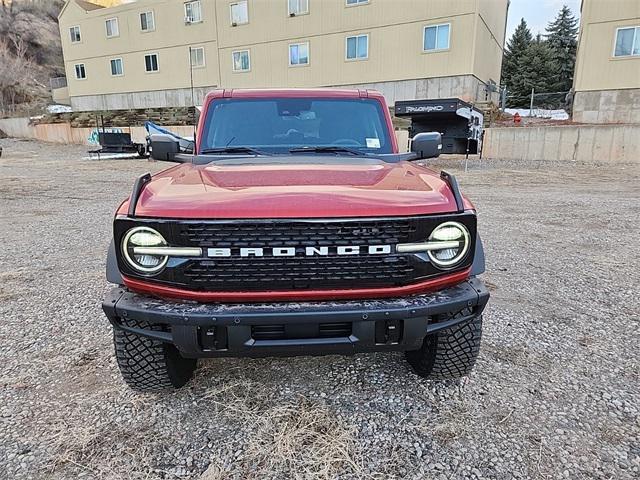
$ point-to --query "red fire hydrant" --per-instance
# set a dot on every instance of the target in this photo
(517, 119)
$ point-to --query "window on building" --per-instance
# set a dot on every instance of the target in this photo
(116, 67)
(81, 73)
(197, 56)
(241, 61)
(298, 7)
(147, 22)
(299, 54)
(356, 2)
(358, 47)
(151, 62)
(627, 42)
(239, 13)
(74, 32)
(112, 27)
(436, 37)
(193, 12)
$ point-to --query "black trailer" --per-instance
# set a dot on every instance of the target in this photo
(459, 123)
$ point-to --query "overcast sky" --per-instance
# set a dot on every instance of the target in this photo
(537, 13)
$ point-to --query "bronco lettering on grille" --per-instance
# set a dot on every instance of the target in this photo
(302, 251)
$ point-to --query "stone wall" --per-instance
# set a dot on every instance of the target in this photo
(595, 144)
(607, 106)
(466, 87)
(180, 97)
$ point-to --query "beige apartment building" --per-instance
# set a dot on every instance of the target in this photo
(607, 75)
(146, 53)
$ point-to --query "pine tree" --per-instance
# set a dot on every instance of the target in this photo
(516, 48)
(562, 41)
(534, 69)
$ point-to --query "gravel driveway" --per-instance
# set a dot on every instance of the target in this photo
(555, 393)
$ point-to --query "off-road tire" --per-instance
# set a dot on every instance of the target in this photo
(149, 365)
(450, 353)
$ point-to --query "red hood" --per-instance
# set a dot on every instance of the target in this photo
(300, 188)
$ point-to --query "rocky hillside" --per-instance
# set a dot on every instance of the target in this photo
(30, 54)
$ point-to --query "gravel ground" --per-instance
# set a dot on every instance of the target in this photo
(555, 393)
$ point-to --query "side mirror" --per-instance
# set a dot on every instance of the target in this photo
(427, 145)
(164, 147)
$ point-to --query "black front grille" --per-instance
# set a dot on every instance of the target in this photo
(298, 272)
(330, 270)
(287, 234)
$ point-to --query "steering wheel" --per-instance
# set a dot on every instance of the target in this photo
(349, 142)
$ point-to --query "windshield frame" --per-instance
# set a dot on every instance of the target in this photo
(387, 132)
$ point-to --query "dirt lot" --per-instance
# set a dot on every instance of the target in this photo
(556, 391)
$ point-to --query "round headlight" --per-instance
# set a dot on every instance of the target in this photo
(133, 248)
(457, 238)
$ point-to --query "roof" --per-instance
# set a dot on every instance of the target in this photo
(294, 92)
(88, 5)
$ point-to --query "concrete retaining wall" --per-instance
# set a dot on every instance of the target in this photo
(607, 106)
(580, 143)
(64, 133)
(570, 143)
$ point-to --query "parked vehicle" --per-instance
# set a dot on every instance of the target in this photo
(296, 228)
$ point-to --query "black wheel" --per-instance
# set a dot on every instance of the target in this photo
(141, 149)
(451, 353)
(149, 365)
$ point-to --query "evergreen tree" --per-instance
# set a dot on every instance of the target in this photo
(516, 48)
(534, 69)
(562, 41)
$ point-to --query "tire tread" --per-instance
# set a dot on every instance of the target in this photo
(451, 353)
(145, 363)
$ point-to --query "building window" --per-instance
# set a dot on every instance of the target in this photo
(147, 22)
(74, 32)
(81, 74)
(436, 37)
(356, 2)
(239, 13)
(197, 56)
(193, 12)
(299, 54)
(241, 61)
(151, 62)
(298, 7)
(358, 47)
(116, 67)
(112, 27)
(627, 42)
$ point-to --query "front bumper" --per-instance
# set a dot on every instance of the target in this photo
(297, 328)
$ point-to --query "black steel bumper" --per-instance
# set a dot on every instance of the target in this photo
(304, 328)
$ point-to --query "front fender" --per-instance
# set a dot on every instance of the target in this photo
(113, 273)
(478, 265)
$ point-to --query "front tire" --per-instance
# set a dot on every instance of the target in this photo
(450, 353)
(149, 365)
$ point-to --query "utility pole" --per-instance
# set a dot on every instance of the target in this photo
(531, 104)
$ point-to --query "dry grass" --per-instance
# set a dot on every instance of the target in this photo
(299, 439)
(107, 451)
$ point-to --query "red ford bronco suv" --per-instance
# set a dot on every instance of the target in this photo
(294, 228)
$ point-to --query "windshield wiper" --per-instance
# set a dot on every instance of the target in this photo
(327, 149)
(223, 150)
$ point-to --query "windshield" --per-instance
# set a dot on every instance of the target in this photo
(278, 125)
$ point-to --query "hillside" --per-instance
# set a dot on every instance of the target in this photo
(30, 54)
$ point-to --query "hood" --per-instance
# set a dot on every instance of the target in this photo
(294, 187)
